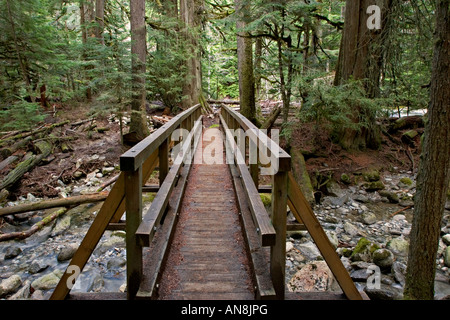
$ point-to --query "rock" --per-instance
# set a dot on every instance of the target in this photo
(345, 178)
(374, 186)
(383, 258)
(446, 239)
(10, 285)
(332, 236)
(23, 293)
(391, 196)
(447, 257)
(78, 174)
(363, 250)
(383, 293)
(289, 246)
(361, 198)
(62, 225)
(399, 246)
(37, 266)
(48, 281)
(67, 252)
(351, 229)
(408, 136)
(107, 170)
(399, 271)
(371, 176)
(309, 250)
(369, 217)
(360, 275)
(12, 252)
(116, 263)
(405, 181)
(314, 276)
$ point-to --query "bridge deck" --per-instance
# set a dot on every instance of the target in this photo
(207, 258)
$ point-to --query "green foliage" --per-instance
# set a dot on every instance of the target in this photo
(22, 115)
(333, 107)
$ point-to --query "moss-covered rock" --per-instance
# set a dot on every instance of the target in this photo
(391, 196)
(371, 176)
(266, 199)
(383, 258)
(363, 250)
(345, 178)
(373, 186)
(406, 180)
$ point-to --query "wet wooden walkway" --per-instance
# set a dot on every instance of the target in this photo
(207, 259)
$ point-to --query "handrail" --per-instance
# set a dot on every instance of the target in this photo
(131, 165)
(280, 163)
(282, 158)
(135, 157)
(261, 219)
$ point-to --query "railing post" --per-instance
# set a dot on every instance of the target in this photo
(133, 196)
(163, 160)
(253, 161)
(278, 251)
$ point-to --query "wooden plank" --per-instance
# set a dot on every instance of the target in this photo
(135, 157)
(260, 216)
(148, 226)
(133, 196)
(306, 214)
(258, 256)
(278, 251)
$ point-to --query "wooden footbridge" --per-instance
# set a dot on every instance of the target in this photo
(207, 234)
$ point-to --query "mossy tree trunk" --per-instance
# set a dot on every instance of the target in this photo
(191, 12)
(138, 123)
(360, 58)
(434, 170)
(245, 62)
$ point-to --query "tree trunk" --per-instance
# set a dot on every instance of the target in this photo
(99, 19)
(434, 169)
(360, 58)
(138, 51)
(245, 62)
(191, 16)
(22, 64)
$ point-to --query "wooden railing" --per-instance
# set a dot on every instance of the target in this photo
(139, 230)
(272, 230)
(247, 154)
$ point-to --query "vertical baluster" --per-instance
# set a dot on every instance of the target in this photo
(163, 160)
(278, 251)
(133, 194)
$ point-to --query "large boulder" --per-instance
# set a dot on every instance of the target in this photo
(314, 276)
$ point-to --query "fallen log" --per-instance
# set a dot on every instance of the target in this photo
(54, 203)
(26, 134)
(29, 163)
(271, 119)
(36, 227)
(223, 101)
(8, 161)
(7, 151)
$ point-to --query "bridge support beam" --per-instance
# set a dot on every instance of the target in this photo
(278, 251)
(133, 196)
